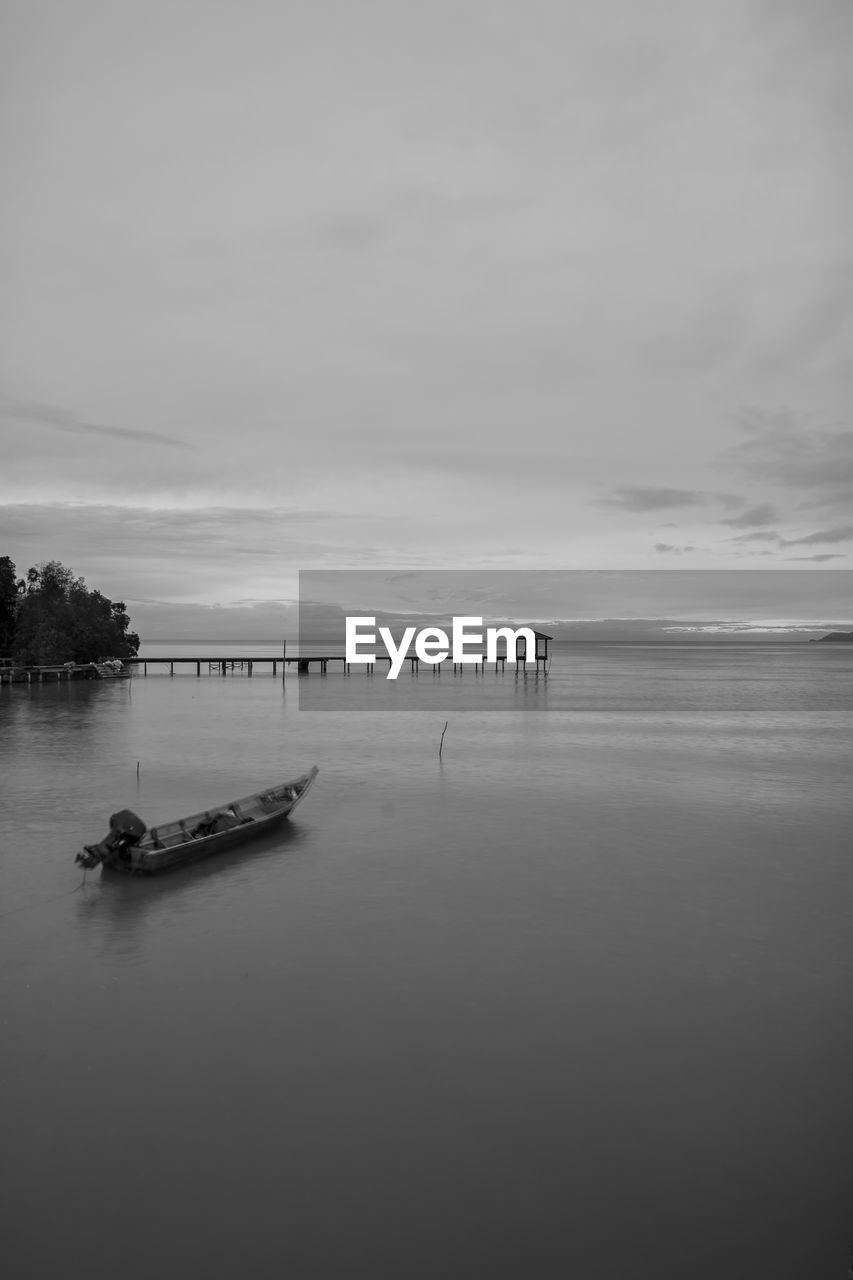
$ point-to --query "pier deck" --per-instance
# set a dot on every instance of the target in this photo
(246, 665)
(10, 674)
(322, 660)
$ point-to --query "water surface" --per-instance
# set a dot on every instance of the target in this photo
(573, 1001)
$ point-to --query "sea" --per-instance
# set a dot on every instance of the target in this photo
(546, 978)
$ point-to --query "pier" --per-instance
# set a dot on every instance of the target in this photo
(210, 664)
(246, 666)
(214, 664)
(323, 661)
(44, 675)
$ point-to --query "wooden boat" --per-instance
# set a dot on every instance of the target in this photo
(130, 846)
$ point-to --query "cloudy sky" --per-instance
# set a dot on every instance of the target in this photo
(339, 284)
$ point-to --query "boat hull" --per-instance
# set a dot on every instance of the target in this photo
(189, 840)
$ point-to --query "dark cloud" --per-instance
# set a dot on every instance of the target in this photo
(668, 548)
(815, 460)
(761, 535)
(58, 419)
(763, 514)
(843, 533)
(649, 498)
(820, 558)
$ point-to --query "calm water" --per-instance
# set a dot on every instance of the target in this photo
(575, 1002)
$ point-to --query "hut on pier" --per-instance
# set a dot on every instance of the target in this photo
(540, 655)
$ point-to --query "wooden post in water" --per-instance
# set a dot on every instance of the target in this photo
(283, 660)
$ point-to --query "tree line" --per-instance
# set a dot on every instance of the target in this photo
(51, 617)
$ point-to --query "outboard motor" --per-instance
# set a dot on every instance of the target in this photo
(126, 830)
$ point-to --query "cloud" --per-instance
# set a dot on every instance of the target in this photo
(843, 533)
(572, 596)
(763, 514)
(820, 558)
(222, 553)
(649, 498)
(252, 623)
(566, 603)
(819, 327)
(349, 231)
(59, 419)
(669, 548)
(783, 445)
(464, 249)
(761, 535)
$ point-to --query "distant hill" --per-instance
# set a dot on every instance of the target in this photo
(835, 635)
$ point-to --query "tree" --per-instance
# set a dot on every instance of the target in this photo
(8, 604)
(59, 620)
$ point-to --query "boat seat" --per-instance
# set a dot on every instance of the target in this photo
(155, 839)
(187, 835)
(238, 813)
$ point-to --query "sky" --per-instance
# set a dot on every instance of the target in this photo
(396, 285)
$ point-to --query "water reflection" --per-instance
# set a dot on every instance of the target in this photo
(31, 705)
(472, 690)
(130, 910)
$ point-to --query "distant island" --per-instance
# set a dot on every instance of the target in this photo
(835, 636)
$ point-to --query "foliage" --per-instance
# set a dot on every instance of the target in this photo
(56, 618)
(8, 603)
